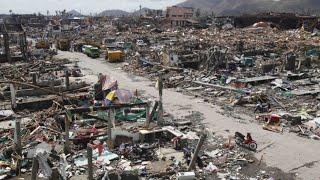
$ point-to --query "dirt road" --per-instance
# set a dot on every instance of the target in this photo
(286, 151)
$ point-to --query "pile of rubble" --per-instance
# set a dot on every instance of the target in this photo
(268, 73)
(69, 130)
(55, 125)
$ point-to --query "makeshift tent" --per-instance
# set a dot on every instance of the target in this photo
(123, 96)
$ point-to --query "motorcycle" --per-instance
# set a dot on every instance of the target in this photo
(241, 141)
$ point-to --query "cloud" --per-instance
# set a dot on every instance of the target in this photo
(85, 6)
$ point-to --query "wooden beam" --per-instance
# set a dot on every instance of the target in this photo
(66, 137)
(148, 117)
(196, 152)
(13, 96)
(17, 143)
(160, 109)
(98, 108)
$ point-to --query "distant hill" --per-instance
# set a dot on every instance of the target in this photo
(236, 7)
(114, 13)
(119, 13)
(74, 13)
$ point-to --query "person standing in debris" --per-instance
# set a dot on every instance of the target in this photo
(122, 148)
(262, 107)
(248, 138)
(187, 155)
(177, 142)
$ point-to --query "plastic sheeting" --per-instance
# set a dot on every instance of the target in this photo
(124, 96)
(105, 158)
(108, 82)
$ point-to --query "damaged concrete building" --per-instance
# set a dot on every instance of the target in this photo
(13, 41)
(179, 16)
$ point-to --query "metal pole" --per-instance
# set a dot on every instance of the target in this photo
(196, 152)
(90, 164)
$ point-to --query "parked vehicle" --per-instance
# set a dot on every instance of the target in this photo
(83, 49)
(114, 56)
(93, 52)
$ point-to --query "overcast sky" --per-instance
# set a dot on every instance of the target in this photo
(85, 6)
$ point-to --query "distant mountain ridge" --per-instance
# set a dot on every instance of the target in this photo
(114, 13)
(120, 13)
(236, 7)
(74, 13)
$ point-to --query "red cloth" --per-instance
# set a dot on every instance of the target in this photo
(99, 147)
(94, 130)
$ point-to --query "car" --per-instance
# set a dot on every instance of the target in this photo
(83, 49)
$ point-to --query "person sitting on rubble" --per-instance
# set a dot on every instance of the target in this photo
(262, 107)
(248, 139)
(128, 150)
(177, 142)
(97, 145)
(93, 130)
